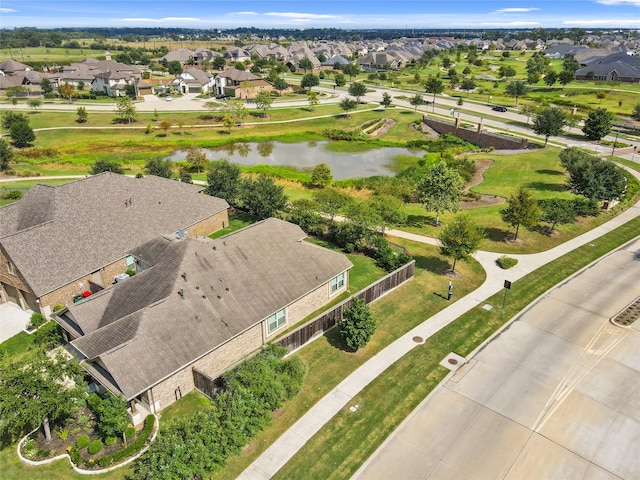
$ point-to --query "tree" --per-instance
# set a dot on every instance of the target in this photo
(460, 239)
(21, 134)
(522, 209)
(6, 155)
(280, 84)
(507, 71)
(557, 211)
(82, 115)
(565, 77)
(309, 81)
(358, 325)
(159, 168)
(45, 86)
(174, 67)
(312, 98)
(111, 413)
(197, 159)
(468, 84)
(68, 91)
(636, 112)
(36, 391)
(305, 63)
(440, 189)
(263, 197)
(228, 123)
(416, 100)
(340, 80)
(357, 89)
(321, 175)
(10, 117)
(263, 101)
(550, 78)
(347, 105)
(165, 125)
(517, 89)
(219, 62)
(549, 122)
(130, 91)
(223, 180)
(34, 103)
(598, 124)
(126, 109)
(434, 85)
(351, 69)
(331, 201)
(303, 212)
(386, 100)
(389, 209)
(594, 177)
(106, 165)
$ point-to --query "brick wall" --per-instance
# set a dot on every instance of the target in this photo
(208, 225)
(16, 281)
(475, 135)
(214, 364)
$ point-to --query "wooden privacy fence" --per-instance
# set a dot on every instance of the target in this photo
(323, 322)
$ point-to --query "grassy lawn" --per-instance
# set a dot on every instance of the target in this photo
(343, 444)
(328, 363)
(237, 221)
(23, 186)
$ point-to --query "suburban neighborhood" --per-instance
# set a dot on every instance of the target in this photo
(402, 251)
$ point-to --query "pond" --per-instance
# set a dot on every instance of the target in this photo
(305, 156)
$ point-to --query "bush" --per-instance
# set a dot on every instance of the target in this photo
(83, 441)
(36, 320)
(12, 195)
(131, 272)
(132, 449)
(63, 434)
(129, 433)
(83, 420)
(505, 262)
(58, 307)
(358, 325)
(586, 207)
(110, 441)
(95, 447)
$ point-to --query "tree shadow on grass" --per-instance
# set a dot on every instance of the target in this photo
(432, 263)
(419, 220)
(497, 234)
(335, 340)
(547, 187)
(549, 172)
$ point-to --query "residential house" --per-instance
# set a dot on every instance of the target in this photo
(618, 67)
(59, 242)
(240, 84)
(382, 61)
(13, 67)
(193, 80)
(236, 54)
(199, 306)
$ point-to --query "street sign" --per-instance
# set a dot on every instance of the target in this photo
(507, 284)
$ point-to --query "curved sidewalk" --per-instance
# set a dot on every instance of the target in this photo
(285, 447)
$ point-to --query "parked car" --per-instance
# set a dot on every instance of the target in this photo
(499, 108)
(168, 98)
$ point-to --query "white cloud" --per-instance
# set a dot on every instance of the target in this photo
(243, 13)
(295, 15)
(7, 10)
(619, 2)
(159, 20)
(516, 10)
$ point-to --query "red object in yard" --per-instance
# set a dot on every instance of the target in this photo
(86, 294)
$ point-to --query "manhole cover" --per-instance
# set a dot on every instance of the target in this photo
(453, 361)
(418, 339)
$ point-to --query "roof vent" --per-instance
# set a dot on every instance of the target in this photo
(184, 276)
(227, 289)
(214, 247)
(181, 293)
(197, 287)
(219, 297)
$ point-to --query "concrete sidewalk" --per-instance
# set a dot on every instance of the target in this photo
(283, 449)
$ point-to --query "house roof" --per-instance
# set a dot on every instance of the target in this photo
(604, 69)
(55, 235)
(237, 75)
(11, 66)
(198, 75)
(198, 294)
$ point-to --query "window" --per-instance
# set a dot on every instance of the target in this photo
(276, 320)
(337, 283)
(12, 268)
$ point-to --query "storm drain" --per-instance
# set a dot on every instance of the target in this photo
(453, 361)
(628, 314)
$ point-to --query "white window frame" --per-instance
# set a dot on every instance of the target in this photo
(337, 283)
(276, 320)
(12, 268)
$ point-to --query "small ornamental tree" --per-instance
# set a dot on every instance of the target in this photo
(517, 89)
(340, 80)
(636, 112)
(357, 89)
(434, 85)
(460, 239)
(312, 98)
(358, 325)
(82, 115)
(165, 125)
(263, 101)
(416, 100)
(126, 109)
(321, 175)
(67, 91)
(386, 100)
(522, 209)
(197, 159)
(347, 104)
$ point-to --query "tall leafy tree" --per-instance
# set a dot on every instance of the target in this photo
(460, 239)
(596, 178)
(549, 122)
(565, 77)
(223, 180)
(351, 69)
(440, 189)
(550, 78)
(159, 168)
(106, 165)
(309, 81)
(10, 117)
(6, 155)
(347, 104)
(126, 109)
(263, 197)
(21, 134)
(305, 64)
(331, 201)
(389, 209)
(358, 325)
(557, 211)
(357, 89)
(340, 80)
(522, 209)
(517, 89)
(636, 112)
(468, 84)
(416, 101)
(321, 175)
(434, 85)
(598, 124)
(263, 101)
(68, 91)
(45, 86)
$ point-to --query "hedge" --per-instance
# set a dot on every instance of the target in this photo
(132, 449)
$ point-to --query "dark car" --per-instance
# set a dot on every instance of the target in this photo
(499, 108)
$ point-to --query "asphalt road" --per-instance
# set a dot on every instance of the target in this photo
(556, 395)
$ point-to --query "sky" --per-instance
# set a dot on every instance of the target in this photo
(348, 14)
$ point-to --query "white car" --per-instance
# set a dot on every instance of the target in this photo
(168, 98)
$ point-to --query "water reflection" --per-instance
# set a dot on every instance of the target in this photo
(306, 155)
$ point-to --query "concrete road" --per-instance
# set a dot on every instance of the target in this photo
(555, 396)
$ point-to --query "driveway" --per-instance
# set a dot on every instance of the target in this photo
(556, 395)
(12, 320)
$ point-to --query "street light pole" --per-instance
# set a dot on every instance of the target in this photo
(614, 143)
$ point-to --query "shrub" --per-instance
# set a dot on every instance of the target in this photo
(358, 325)
(132, 449)
(83, 420)
(95, 447)
(12, 195)
(131, 272)
(505, 262)
(36, 320)
(63, 434)
(110, 441)
(58, 307)
(129, 433)
(586, 207)
(30, 449)
(83, 441)
(74, 455)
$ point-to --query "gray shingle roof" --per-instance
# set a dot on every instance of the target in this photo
(143, 330)
(55, 235)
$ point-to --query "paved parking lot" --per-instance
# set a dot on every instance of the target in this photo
(555, 396)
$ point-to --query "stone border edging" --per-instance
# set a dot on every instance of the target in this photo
(79, 470)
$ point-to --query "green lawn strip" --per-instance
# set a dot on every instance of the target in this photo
(16, 347)
(237, 221)
(344, 443)
(327, 361)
